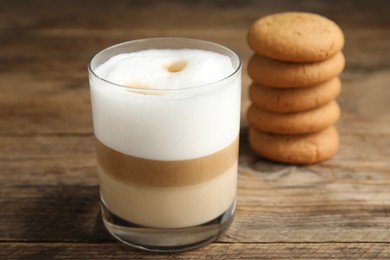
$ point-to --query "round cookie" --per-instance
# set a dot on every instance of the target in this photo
(295, 36)
(300, 149)
(282, 74)
(294, 99)
(294, 123)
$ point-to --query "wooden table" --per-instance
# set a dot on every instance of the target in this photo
(49, 197)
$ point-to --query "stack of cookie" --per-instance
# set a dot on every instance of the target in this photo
(295, 72)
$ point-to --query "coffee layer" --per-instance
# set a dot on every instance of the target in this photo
(146, 172)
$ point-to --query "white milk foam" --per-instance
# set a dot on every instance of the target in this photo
(150, 68)
(173, 125)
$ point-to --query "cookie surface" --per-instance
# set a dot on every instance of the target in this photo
(300, 149)
(294, 99)
(295, 36)
(294, 123)
(280, 74)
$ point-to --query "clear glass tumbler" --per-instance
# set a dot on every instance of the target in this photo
(167, 158)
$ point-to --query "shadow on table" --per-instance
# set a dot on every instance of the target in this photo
(60, 214)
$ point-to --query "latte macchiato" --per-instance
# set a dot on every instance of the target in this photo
(166, 123)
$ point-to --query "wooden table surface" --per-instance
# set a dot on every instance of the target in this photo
(49, 196)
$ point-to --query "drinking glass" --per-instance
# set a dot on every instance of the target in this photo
(166, 158)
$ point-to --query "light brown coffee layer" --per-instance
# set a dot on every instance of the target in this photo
(134, 170)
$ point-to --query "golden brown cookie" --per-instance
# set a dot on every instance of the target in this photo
(295, 36)
(282, 74)
(294, 99)
(294, 123)
(300, 149)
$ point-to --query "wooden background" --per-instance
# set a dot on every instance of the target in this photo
(49, 199)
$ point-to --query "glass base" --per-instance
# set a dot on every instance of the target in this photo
(166, 239)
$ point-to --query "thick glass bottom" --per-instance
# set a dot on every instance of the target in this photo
(166, 239)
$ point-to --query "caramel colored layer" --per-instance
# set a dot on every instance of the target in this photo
(134, 170)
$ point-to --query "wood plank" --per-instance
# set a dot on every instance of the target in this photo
(57, 213)
(365, 13)
(79, 170)
(48, 160)
(16, 149)
(138, 17)
(212, 251)
(51, 146)
(44, 83)
(275, 203)
(63, 106)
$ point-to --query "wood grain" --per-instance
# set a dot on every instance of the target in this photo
(49, 195)
(213, 251)
(71, 213)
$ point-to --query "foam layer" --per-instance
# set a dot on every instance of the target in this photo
(166, 69)
(173, 125)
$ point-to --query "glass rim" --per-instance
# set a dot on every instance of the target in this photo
(237, 68)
